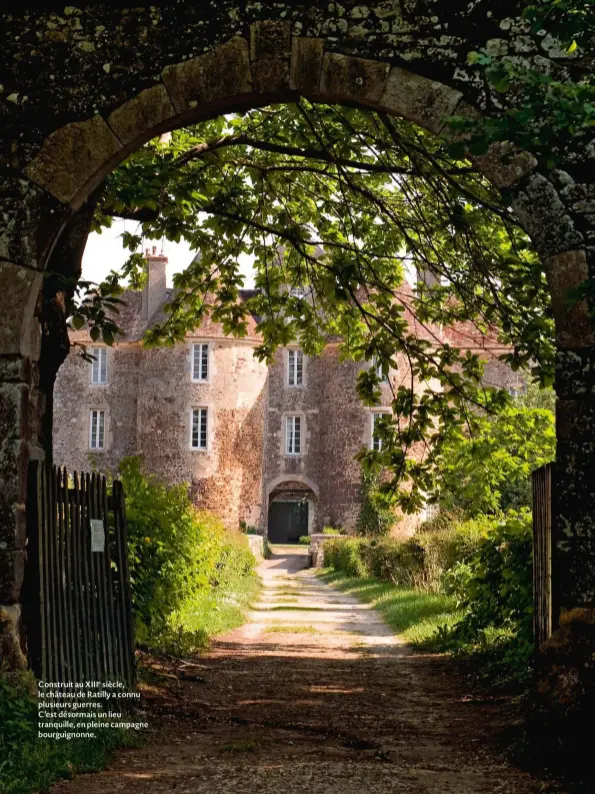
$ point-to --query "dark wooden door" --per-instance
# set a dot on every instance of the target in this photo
(287, 521)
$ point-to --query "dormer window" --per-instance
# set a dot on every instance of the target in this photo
(200, 362)
(99, 365)
(295, 367)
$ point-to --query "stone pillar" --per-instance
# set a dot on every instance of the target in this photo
(19, 426)
(565, 668)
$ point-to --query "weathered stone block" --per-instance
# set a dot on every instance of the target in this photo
(73, 159)
(15, 369)
(306, 64)
(426, 102)
(270, 76)
(19, 329)
(503, 167)
(31, 218)
(270, 40)
(226, 70)
(139, 115)
(218, 74)
(544, 217)
(184, 83)
(575, 373)
(11, 653)
(565, 272)
(345, 77)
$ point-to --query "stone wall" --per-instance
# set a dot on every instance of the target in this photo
(148, 401)
(336, 427)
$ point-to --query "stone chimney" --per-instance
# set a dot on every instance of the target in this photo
(154, 291)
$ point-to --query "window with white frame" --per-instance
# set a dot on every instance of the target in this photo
(376, 441)
(99, 365)
(199, 431)
(293, 435)
(200, 361)
(97, 430)
(382, 377)
(295, 363)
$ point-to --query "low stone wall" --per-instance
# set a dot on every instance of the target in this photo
(257, 547)
(316, 548)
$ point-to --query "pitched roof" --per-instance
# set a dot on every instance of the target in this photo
(130, 321)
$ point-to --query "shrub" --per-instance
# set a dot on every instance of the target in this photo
(495, 585)
(304, 540)
(176, 554)
(332, 531)
(418, 562)
(344, 554)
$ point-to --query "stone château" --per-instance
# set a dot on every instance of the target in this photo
(273, 446)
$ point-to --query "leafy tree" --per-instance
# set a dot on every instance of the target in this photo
(490, 470)
(344, 202)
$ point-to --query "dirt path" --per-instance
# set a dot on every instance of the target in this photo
(315, 695)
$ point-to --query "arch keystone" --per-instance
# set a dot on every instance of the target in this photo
(346, 77)
(418, 99)
(72, 156)
(270, 49)
(141, 113)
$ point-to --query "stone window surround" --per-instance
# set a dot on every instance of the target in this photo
(209, 345)
(304, 382)
(284, 417)
(373, 413)
(107, 366)
(210, 427)
(102, 448)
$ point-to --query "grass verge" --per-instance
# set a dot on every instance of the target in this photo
(415, 615)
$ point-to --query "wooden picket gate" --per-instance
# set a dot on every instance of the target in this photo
(542, 554)
(80, 617)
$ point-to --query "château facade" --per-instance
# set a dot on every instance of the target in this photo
(273, 446)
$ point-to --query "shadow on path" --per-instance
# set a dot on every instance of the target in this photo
(314, 694)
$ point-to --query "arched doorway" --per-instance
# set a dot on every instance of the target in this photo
(105, 79)
(291, 512)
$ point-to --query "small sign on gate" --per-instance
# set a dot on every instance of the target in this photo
(97, 534)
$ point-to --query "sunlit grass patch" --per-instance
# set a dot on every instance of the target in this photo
(415, 615)
(291, 629)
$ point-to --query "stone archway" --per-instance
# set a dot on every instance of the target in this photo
(84, 88)
(292, 507)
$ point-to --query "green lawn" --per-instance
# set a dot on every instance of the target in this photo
(413, 614)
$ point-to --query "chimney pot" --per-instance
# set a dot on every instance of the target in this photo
(155, 287)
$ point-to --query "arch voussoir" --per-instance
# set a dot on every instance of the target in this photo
(144, 112)
(73, 159)
(345, 77)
